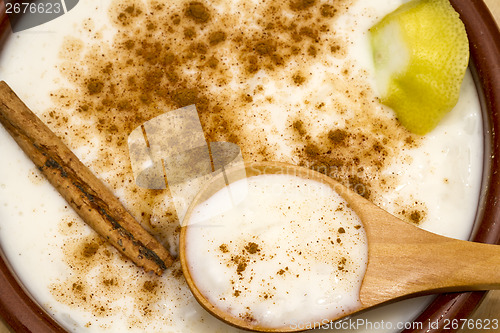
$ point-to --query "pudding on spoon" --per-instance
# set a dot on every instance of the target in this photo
(266, 248)
(402, 260)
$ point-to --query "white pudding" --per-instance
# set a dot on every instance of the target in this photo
(290, 253)
(288, 82)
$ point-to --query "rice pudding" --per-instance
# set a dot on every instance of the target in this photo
(289, 252)
(286, 81)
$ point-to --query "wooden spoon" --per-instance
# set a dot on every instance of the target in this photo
(403, 260)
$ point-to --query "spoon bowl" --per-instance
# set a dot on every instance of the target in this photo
(403, 260)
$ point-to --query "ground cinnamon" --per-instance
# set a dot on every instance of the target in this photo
(88, 196)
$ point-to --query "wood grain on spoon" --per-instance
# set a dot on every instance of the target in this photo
(403, 260)
(86, 194)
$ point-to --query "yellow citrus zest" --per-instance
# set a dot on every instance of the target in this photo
(421, 53)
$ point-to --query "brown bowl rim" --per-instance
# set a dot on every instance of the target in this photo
(23, 314)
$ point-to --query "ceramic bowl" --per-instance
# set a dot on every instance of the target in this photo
(22, 314)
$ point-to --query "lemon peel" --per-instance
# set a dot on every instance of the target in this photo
(421, 53)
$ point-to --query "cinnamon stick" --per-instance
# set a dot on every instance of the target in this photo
(86, 194)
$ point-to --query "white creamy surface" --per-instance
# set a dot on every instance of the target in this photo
(289, 253)
(444, 172)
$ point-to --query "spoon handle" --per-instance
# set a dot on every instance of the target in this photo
(408, 261)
